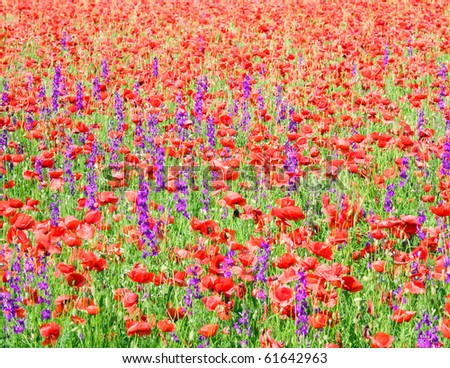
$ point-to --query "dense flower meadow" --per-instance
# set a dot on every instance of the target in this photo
(224, 174)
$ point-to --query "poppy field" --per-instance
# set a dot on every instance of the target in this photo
(224, 174)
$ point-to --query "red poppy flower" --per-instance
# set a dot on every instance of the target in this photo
(282, 295)
(290, 213)
(223, 284)
(90, 261)
(65, 268)
(85, 231)
(442, 210)
(381, 340)
(232, 199)
(206, 227)
(217, 265)
(141, 275)
(445, 328)
(351, 284)
(71, 222)
(50, 332)
(104, 198)
(321, 249)
(92, 217)
(130, 299)
(139, 329)
(211, 302)
(415, 287)
(22, 221)
(318, 320)
(286, 260)
(332, 346)
(378, 266)
(71, 240)
(209, 330)
(401, 315)
(75, 280)
(166, 325)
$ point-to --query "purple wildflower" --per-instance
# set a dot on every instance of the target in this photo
(79, 96)
(292, 127)
(192, 289)
(242, 327)
(290, 165)
(46, 314)
(54, 211)
(300, 61)
(282, 112)
(410, 49)
(442, 72)
(5, 94)
(29, 268)
(301, 306)
(246, 118)
(64, 41)
(260, 100)
(174, 337)
(420, 122)
(235, 108)
(198, 101)
(181, 195)
(211, 131)
(44, 287)
(204, 342)
(147, 231)
(388, 199)
(159, 164)
(96, 88)
(114, 144)
(68, 174)
(105, 71)
(446, 265)
(228, 264)
(261, 268)
(56, 85)
(445, 168)
(441, 102)
(386, 56)
(29, 122)
(41, 94)
(38, 167)
(404, 172)
(262, 71)
(205, 199)
(91, 187)
(152, 131)
(428, 333)
(118, 105)
(246, 86)
(4, 140)
(11, 300)
(30, 82)
(420, 220)
(354, 70)
(180, 114)
(155, 67)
